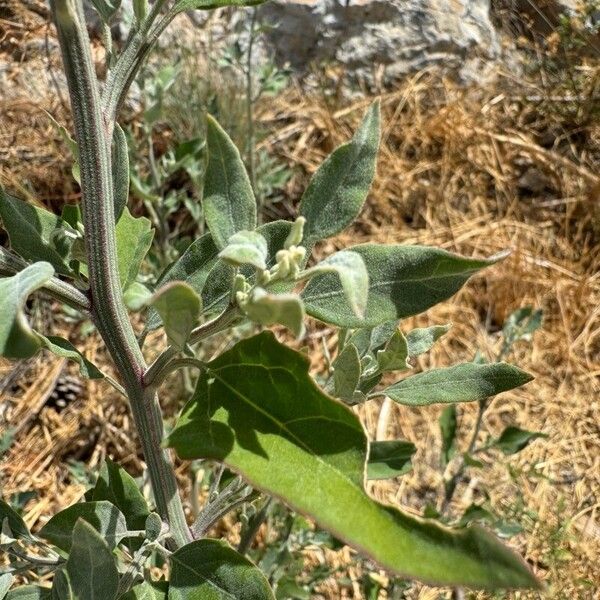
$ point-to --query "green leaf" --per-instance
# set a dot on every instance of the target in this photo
(17, 526)
(147, 591)
(353, 278)
(403, 281)
(17, 339)
(514, 439)
(346, 373)
(466, 382)
(179, 308)
(103, 516)
(394, 357)
(6, 580)
(182, 5)
(91, 565)
(30, 592)
(120, 170)
(337, 191)
(270, 309)
(35, 233)
(134, 238)
(107, 9)
(228, 202)
(136, 297)
(211, 570)
(389, 459)
(118, 487)
(61, 586)
(421, 340)
(447, 423)
(257, 409)
(246, 248)
(63, 348)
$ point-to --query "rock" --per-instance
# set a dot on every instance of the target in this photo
(400, 36)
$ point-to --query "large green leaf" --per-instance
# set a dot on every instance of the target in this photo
(35, 233)
(257, 409)
(91, 566)
(103, 516)
(134, 238)
(339, 188)
(17, 526)
(211, 570)
(229, 204)
(61, 586)
(30, 592)
(17, 339)
(390, 458)
(462, 383)
(403, 281)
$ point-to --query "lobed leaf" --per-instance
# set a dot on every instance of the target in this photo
(17, 339)
(466, 382)
(134, 238)
(389, 459)
(403, 281)
(337, 191)
(257, 409)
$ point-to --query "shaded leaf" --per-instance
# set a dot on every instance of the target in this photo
(257, 409)
(389, 459)
(394, 356)
(246, 248)
(63, 348)
(422, 339)
(346, 373)
(462, 383)
(120, 170)
(147, 591)
(514, 439)
(61, 586)
(211, 570)
(17, 339)
(134, 238)
(447, 423)
(337, 191)
(17, 526)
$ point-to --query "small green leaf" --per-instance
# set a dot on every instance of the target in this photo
(137, 296)
(35, 233)
(107, 9)
(15, 522)
(476, 512)
(389, 459)
(229, 204)
(246, 248)
(6, 580)
(514, 439)
(179, 308)
(115, 485)
(211, 570)
(346, 373)
(421, 340)
(447, 423)
(120, 168)
(134, 238)
(182, 5)
(337, 191)
(466, 382)
(140, 9)
(17, 339)
(91, 565)
(469, 460)
(30, 592)
(103, 516)
(147, 591)
(63, 348)
(394, 356)
(269, 309)
(403, 281)
(257, 410)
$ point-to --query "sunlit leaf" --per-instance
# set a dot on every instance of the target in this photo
(6, 580)
(246, 248)
(346, 373)
(270, 309)
(134, 238)
(63, 348)
(147, 591)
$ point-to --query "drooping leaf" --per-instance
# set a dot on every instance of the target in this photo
(120, 171)
(447, 423)
(337, 191)
(17, 339)
(103, 516)
(211, 570)
(403, 281)
(246, 248)
(63, 348)
(389, 459)
(466, 382)
(182, 5)
(179, 308)
(257, 410)
(346, 373)
(17, 526)
(35, 233)
(91, 565)
(394, 356)
(134, 238)
(6, 580)
(30, 592)
(229, 204)
(270, 309)
(514, 439)
(147, 591)
(115, 485)
(422, 339)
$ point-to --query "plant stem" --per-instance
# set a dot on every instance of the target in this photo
(94, 136)
(250, 111)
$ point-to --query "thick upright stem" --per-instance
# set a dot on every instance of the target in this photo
(107, 306)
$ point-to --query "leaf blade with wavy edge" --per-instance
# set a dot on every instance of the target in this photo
(17, 339)
(211, 570)
(466, 382)
(228, 202)
(134, 238)
(103, 516)
(403, 281)
(257, 410)
(91, 565)
(338, 190)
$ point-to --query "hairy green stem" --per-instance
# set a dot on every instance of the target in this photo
(93, 134)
